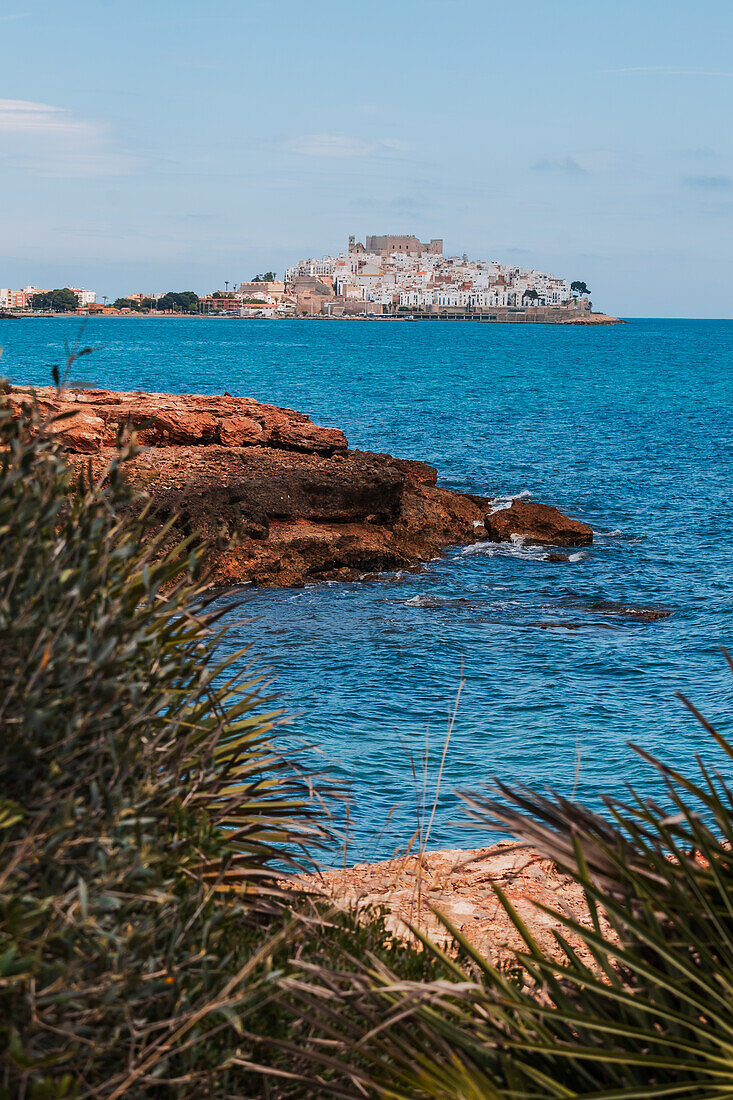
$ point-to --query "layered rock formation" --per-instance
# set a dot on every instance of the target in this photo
(278, 499)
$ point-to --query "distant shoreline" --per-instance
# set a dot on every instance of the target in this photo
(513, 319)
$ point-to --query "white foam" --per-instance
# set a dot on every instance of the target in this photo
(428, 601)
(514, 549)
(481, 548)
(500, 504)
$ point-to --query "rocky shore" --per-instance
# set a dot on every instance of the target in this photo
(279, 499)
(458, 883)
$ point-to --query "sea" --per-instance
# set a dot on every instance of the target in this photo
(494, 660)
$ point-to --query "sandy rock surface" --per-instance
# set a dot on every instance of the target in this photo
(458, 883)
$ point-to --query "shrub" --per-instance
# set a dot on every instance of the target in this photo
(146, 815)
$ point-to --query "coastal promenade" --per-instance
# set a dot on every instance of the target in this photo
(537, 315)
(530, 316)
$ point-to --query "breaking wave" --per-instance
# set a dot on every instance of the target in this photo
(504, 502)
(517, 548)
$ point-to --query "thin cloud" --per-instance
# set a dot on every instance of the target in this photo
(709, 183)
(338, 145)
(406, 204)
(663, 70)
(20, 116)
(701, 152)
(569, 166)
(590, 163)
(51, 141)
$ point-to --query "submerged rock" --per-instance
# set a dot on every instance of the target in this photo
(628, 611)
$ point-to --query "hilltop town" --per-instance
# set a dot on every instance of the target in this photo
(401, 273)
(386, 276)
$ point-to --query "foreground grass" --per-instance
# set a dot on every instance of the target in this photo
(146, 812)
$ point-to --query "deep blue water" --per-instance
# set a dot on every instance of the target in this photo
(627, 427)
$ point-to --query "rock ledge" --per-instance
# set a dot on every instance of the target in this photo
(279, 499)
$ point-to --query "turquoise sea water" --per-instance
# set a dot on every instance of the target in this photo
(627, 427)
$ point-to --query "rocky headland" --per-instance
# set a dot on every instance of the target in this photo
(279, 499)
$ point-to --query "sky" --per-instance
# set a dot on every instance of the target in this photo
(180, 144)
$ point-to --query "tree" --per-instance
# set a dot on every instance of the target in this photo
(267, 277)
(579, 288)
(185, 301)
(530, 295)
(59, 300)
(125, 303)
(190, 301)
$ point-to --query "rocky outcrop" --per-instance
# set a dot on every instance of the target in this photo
(278, 499)
(595, 319)
(536, 523)
(93, 418)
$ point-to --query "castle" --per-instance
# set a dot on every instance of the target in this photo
(405, 245)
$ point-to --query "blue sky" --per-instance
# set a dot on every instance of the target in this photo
(145, 146)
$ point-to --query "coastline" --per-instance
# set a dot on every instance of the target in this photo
(280, 501)
(515, 319)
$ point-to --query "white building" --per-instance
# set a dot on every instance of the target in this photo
(422, 279)
(14, 299)
(84, 297)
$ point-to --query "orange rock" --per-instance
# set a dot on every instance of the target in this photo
(536, 523)
(458, 883)
(162, 419)
(83, 432)
(236, 431)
